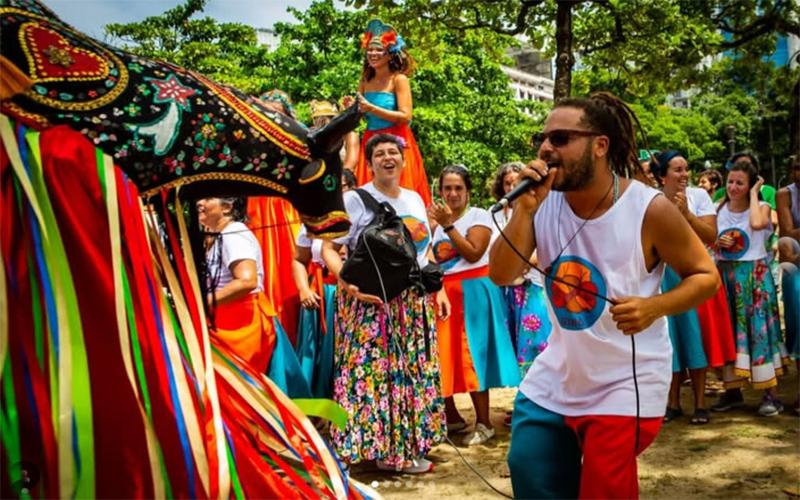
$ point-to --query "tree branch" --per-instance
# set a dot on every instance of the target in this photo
(618, 38)
(519, 26)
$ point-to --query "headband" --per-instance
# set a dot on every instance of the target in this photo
(662, 161)
(387, 35)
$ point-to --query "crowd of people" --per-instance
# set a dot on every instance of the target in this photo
(612, 282)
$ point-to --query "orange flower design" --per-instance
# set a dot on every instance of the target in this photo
(567, 295)
(445, 251)
(738, 241)
(389, 38)
(416, 228)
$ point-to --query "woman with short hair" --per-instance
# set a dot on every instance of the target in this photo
(386, 369)
(242, 314)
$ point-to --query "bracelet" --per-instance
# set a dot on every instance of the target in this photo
(449, 228)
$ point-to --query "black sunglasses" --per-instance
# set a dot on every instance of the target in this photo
(559, 138)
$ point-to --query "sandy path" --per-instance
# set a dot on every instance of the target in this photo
(737, 455)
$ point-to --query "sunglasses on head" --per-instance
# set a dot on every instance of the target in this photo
(559, 138)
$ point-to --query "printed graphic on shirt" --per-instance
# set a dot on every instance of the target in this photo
(572, 293)
(446, 254)
(741, 243)
(418, 230)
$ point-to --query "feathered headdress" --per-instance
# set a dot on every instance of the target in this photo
(389, 38)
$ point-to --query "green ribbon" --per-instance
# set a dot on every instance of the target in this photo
(325, 408)
(58, 267)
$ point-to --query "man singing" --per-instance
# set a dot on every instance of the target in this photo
(595, 398)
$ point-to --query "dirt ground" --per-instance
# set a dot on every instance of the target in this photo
(738, 455)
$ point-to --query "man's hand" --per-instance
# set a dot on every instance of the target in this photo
(352, 290)
(538, 171)
(634, 314)
(442, 305)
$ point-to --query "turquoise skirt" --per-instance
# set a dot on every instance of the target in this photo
(684, 332)
(315, 345)
(790, 284)
(284, 368)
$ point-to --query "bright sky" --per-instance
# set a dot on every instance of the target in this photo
(89, 16)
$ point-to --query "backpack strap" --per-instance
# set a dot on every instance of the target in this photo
(371, 203)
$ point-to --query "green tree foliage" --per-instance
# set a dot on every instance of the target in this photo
(464, 111)
(685, 130)
(640, 47)
(226, 52)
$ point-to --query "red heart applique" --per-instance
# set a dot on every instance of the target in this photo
(52, 58)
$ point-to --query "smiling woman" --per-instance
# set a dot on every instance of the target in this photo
(387, 363)
(475, 349)
(384, 94)
(235, 280)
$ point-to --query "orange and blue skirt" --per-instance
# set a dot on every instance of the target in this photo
(413, 176)
(475, 350)
(245, 326)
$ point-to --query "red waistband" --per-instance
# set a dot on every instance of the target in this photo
(478, 272)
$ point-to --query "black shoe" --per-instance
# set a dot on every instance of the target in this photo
(729, 401)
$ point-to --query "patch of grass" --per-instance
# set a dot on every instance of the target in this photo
(746, 431)
(699, 447)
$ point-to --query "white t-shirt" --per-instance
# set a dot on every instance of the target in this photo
(314, 244)
(699, 202)
(586, 368)
(236, 242)
(749, 244)
(409, 206)
(445, 251)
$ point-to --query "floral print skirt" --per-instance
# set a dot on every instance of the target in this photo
(753, 304)
(386, 376)
(528, 322)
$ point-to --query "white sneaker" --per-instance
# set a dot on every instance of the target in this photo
(415, 466)
(480, 435)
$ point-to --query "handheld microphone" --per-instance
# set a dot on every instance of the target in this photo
(524, 185)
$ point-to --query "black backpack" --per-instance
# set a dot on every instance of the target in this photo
(384, 262)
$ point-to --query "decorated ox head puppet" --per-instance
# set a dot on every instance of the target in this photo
(166, 126)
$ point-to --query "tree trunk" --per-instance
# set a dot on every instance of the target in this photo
(794, 120)
(564, 58)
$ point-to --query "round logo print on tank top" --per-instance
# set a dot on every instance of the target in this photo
(446, 254)
(418, 230)
(741, 243)
(573, 295)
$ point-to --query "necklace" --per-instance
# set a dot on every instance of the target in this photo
(614, 185)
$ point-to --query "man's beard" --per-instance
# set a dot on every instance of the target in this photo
(578, 175)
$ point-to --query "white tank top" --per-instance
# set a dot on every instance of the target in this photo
(586, 368)
(749, 244)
